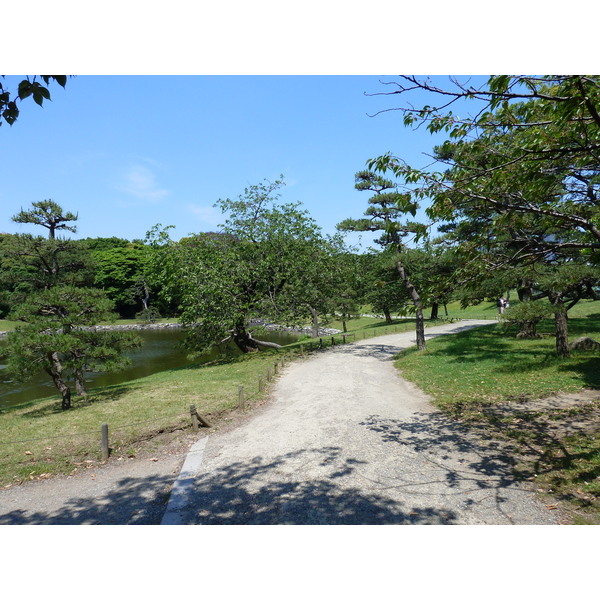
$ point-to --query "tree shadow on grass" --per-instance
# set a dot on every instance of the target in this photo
(111, 394)
(587, 367)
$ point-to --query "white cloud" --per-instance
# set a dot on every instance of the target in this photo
(206, 214)
(141, 182)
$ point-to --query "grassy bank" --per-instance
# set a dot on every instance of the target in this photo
(476, 374)
(40, 440)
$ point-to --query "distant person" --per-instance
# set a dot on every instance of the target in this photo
(501, 304)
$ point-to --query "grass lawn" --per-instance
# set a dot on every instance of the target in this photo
(488, 364)
(40, 439)
(469, 374)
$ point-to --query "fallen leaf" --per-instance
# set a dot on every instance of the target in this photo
(28, 453)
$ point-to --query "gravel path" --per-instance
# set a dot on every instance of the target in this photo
(347, 441)
(343, 441)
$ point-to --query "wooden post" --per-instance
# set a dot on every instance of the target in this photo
(241, 400)
(268, 374)
(364, 335)
(275, 368)
(332, 341)
(194, 416)
(197, 419)
(260, 383)
(321, 343)
(105, 448)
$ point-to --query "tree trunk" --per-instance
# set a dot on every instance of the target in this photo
(387, 315)
(562, 334)
(265, 344)
(243, 340)
(78, 373)
(56, 373)
(80, 387)
(246, 343)
(435, 307)
(416, 299)
(315, 322)
(146, 296)
(525, 290)
(528, 329)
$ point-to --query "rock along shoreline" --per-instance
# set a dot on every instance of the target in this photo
(145, 326)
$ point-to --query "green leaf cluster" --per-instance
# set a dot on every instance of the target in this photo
(28, 87)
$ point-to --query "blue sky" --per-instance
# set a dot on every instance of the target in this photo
(251, 91)
(128, 152)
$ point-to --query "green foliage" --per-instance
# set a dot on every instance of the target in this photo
(48, 214)
(518, 187)
(31, 263)
(385, 211)
(526, 315)
(55, 337)
(119, 271)
(45, 280)
(28, 87)
(269, 262)
(386, 292)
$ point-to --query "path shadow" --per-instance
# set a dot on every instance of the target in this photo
(378, 351)
(255, 493)
(250, 493)
(384, 351)
(465, 461)
(136, 501)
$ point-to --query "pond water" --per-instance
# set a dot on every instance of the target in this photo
(161, 350)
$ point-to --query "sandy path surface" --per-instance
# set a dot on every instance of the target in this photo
(344, 441)
(347, 441)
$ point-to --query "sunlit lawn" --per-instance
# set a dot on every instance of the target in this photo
(53, 441)
(489, 364)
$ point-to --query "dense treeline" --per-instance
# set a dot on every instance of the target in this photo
(270, 261)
